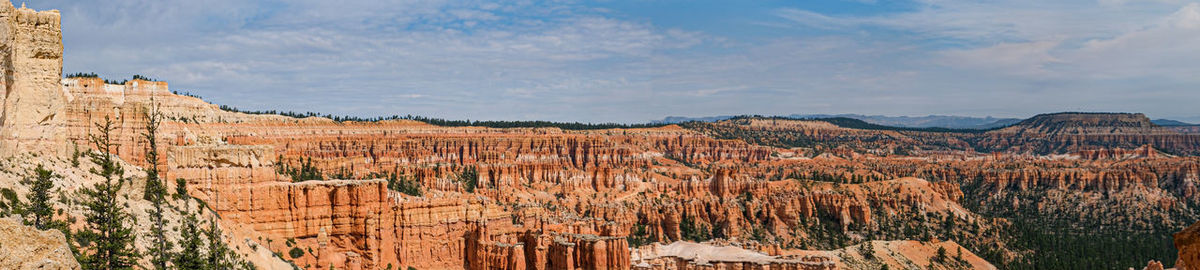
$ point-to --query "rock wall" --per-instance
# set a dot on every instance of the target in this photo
(362, 223)
(31, 51)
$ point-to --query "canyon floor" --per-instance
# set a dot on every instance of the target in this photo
(1056, 191)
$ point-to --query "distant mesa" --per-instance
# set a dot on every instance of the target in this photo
(1089, 123)
(1089, 119)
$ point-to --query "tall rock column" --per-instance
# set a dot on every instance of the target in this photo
(33, 99)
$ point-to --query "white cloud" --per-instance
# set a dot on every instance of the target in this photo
(990, 22)
(568, 61)
(1020, 59)
(1039, 56)
(1162, 48)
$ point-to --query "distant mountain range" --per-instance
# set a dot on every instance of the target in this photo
(930, 121)
(1169, 122)
(941, 121)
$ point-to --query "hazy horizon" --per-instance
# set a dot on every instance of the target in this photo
(645, 60)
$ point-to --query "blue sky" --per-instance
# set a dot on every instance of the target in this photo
(635, 61)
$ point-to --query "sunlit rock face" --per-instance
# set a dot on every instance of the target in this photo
(31, 51)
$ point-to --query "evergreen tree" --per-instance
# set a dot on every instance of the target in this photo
(156, 192)
(401, 183)
(181, 190)
(155, 188)
(469, 178)
(190, 255)
(40, 212)
(867, 250)
(691, 231)
(14, 205)
(219, 255)
(4, 210)
(75, 155)
(106, 240)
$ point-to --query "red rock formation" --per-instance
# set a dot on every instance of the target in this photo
(1153, 265)
(1188, 244)
(551, 199)
(1146, 151)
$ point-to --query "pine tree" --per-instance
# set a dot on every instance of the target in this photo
(4, 210)
(219, 255)
(14, 205)
(40, 212)
(106, 241)
(181, 190)
(155, 189)
(867, 250)
(156, 192)
(190, 256)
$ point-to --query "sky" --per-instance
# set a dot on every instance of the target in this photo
(636, 61)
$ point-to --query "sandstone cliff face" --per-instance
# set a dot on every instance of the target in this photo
(24, 247)
(362, 223)
(31, 62)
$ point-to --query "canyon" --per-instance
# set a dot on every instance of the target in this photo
(741, 193)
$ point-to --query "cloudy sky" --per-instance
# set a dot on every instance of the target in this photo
(634, 61)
